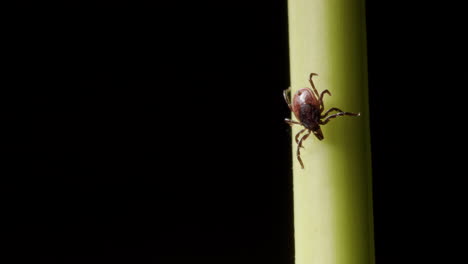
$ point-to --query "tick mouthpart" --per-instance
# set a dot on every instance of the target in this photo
(318, 133)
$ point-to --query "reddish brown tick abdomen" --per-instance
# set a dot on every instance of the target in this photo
(301, 97)
(306, 108)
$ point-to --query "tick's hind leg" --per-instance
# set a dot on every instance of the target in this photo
(322, 106)
(299, 145)
(291, 122)
(286, 98)
(327, 119)
(312, 84)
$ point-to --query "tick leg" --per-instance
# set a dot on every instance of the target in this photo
(291, 122)
(331, 110)
(303, 139)
(286, 97)
(298, 134)
(298, 153)
(322, 107)
(327, 119)
(312, 83)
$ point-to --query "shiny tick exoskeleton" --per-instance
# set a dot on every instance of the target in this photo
(307, 106)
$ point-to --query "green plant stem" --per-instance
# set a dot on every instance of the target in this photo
(333, 195)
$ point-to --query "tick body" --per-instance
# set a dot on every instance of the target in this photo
(308, 108)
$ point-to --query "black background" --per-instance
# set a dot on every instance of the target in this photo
(152, 137)
(156, 136)
(415, 55)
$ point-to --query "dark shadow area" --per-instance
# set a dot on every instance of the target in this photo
(151, 136)
(412, 52)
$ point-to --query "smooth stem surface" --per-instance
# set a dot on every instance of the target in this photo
(332, 195)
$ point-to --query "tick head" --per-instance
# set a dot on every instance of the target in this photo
(318, 133)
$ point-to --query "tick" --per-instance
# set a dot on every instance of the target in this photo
(307, 106)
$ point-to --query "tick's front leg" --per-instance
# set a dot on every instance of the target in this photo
(298, 134)
(327, 119)
(331, 110)
(298, 152)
